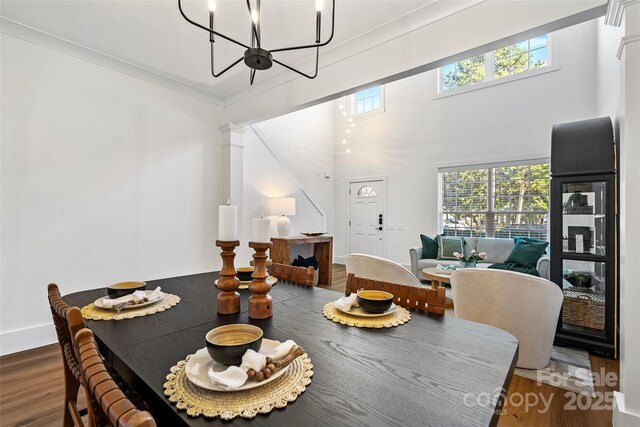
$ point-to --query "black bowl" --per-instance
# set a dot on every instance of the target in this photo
(227, 344)
(375, 301)
(121, 289)
(244, 273)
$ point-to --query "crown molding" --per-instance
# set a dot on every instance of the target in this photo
(230, 127)
(625, 41)
(615, 11)
(41, 38)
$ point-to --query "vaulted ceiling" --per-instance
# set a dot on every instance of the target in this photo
(376, 41)
(153, 35)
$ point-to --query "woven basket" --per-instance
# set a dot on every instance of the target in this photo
(583, 309)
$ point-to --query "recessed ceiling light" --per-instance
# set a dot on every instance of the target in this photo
(350, 119)
(344, 141)
(348, 151)
(353, 125)
(348, 130)
(340, 106)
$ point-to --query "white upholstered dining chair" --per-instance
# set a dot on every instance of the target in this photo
(523, 305)
(377, 268)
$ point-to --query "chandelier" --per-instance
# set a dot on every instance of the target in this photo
(256, 57)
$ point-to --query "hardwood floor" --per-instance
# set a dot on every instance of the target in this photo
(31, 390)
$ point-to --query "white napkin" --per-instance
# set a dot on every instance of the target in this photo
(134, 297)
(345, 303)
(235, 376)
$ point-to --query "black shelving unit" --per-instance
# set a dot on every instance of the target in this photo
(584, 234)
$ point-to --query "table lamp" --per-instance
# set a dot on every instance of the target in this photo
(283, 207)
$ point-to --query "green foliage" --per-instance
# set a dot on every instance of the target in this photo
(466, 205)
(508, 60)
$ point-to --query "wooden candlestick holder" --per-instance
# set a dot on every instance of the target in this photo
(260, 302)
(228, 300)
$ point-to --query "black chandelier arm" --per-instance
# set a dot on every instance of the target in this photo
(333, 26)
(311, 77)
(252, 76)
(208, 29)
(254, 28)
(213, 73)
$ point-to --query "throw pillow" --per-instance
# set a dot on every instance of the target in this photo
(529, 239)
(527, 253)
(511, 266)
(447, 245)
(305, 262)
(429, 247)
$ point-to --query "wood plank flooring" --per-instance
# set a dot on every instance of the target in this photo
(32, 385)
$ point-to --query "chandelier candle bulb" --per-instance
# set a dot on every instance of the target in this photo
(227, 223)
(261, 230)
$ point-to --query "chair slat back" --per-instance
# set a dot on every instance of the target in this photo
(113, 402)
(290, 273)
(411, 297)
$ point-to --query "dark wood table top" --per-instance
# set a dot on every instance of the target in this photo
(428, 371)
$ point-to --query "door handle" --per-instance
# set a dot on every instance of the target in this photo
(379, 228)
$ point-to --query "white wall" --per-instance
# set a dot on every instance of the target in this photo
(418, 133)
(303, 144)
(105, 177)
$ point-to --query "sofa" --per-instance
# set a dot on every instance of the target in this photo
(497, 250)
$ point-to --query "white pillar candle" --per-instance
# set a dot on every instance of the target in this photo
(261, 230)
(227, 223)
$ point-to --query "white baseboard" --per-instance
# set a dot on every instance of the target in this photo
(338, 260)
(27, 338)
(622, 417)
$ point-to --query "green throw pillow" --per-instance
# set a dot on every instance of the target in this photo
(447, 245)
(429, 247)
(527, 253)
(528, 239)
(512, 266)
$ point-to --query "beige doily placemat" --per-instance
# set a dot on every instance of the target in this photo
(400, 316)
(247, 403)
(92, 312)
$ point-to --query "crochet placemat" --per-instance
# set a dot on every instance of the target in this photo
(91, 312)
(247, 403)
(400, 316)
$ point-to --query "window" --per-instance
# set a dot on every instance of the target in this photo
(498, 201)
(367, 101)
(366, 191)
(513, 59)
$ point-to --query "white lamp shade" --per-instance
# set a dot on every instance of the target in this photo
(283, 206)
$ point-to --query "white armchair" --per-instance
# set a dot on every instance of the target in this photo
(523, 305)
(374, 267)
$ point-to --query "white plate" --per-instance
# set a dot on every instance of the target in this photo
(245, 285)
(98, 302)
(199, 364)
(358, 312)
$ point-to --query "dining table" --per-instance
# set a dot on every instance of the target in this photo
(431, 371)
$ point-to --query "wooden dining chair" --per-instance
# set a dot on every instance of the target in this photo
(101, 387)
(412, 297)
(71, 364)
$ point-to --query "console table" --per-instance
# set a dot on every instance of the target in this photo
(322, 249)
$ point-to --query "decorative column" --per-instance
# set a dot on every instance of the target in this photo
(232, 168)
(626, 14)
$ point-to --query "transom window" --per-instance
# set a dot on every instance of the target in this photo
(513, 59)
(366, 191)
(367, 101)
(499, 201)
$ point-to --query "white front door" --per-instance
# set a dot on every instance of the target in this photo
(367, 200)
